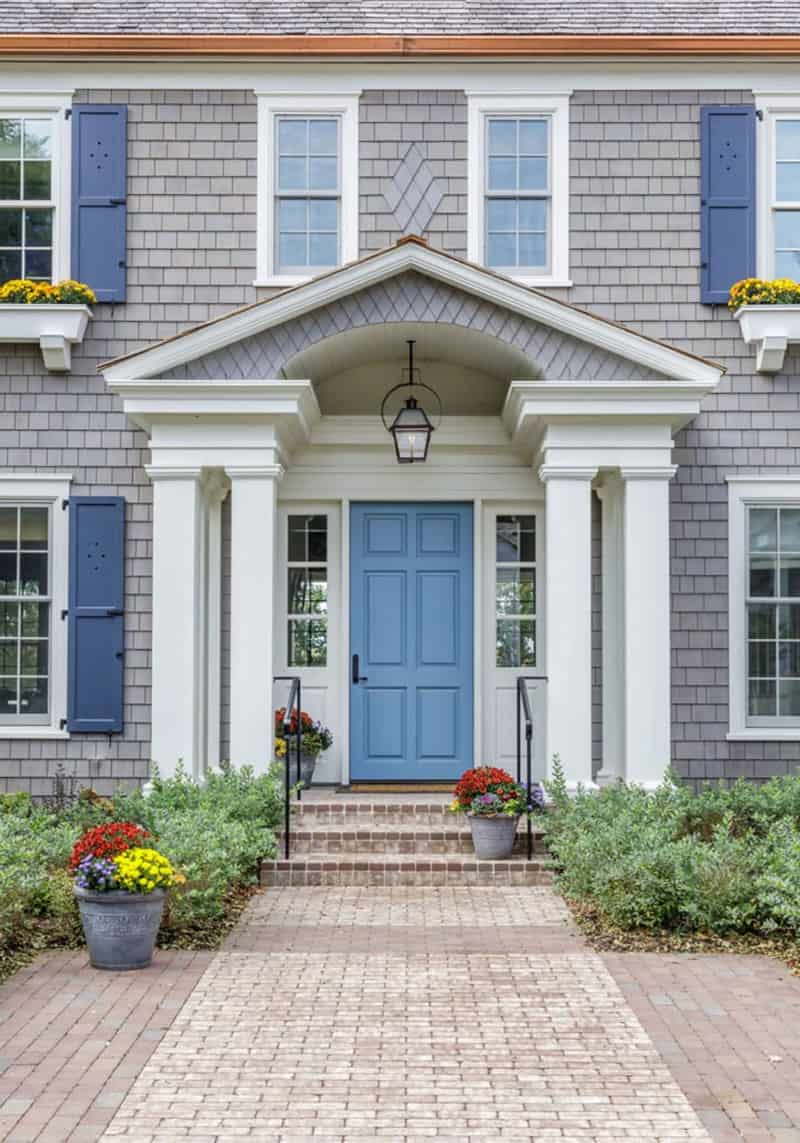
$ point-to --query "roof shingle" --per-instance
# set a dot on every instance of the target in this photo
(387, 17)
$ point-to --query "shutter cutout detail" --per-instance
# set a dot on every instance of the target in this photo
(99, 187)
(96, 616)
(727, 197)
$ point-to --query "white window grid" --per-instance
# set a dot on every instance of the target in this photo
(307, 566)
(775, 602)
(518, 194)
(19, 599)
(782, 206)
(28, 205)
(306, 194)
(518, 566)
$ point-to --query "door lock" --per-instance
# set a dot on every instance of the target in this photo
(357, 678)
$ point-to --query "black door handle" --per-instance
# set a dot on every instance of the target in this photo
(356, 677)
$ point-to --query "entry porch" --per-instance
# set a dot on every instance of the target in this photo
(534, 541)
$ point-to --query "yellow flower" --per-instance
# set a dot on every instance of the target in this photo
(140, 870)
(280, 747)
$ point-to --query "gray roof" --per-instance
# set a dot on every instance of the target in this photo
(389, 17)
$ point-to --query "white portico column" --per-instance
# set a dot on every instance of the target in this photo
(647, 734)
(253, 553)
(177, 656)
(611, 494)
(568, 614)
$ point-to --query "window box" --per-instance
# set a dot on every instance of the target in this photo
(56, 328)
(771, 328)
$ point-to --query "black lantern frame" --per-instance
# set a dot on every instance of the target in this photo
(412, 418)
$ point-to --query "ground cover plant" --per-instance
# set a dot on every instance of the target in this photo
(215, 835)
(721, 862)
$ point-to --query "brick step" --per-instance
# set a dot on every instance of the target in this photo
(324, 869)
(397, 839)
(431, 813)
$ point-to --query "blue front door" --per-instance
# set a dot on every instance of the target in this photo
(410, 641)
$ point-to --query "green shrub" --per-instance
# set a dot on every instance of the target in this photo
(724, 860)
(216, 834)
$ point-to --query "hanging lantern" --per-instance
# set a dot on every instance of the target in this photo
(411, 429)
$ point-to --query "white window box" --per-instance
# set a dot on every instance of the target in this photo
(56, 328)
(771, 329)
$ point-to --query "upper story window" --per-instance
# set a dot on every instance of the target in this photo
(308, 186)
(778, 186)
(765, 607)
(519, 186)
(34, 216)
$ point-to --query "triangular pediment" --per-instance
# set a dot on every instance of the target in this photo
(411, 283)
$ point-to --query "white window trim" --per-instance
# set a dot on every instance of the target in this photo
(56, 104)
(556, 106)
(345, 106)
(51, 489)
(744, 491)
(769, 109)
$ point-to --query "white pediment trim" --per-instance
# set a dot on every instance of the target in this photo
(412, 255)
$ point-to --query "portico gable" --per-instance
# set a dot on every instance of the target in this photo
(276, 406)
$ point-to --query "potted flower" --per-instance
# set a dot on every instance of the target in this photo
(314, 738)
(768, 312)
(493, 803)
(120, 883)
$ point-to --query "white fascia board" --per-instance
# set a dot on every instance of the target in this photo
(530, 403)
(329, 288)
(308, 77)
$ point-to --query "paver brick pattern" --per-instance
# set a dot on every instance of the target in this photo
(390, 1043)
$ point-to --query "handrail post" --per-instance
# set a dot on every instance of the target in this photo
(295, 698)
(299, 738)
(529, 745)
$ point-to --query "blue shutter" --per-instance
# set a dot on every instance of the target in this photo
(727, 199)
(96, 621)
(99, 165)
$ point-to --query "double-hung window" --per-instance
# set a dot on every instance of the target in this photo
(33, 590)
(764, 607)
(518, 186)
(786, 198)
(308, 187)
(34, 216)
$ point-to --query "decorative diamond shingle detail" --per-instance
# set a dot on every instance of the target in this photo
(413, 193)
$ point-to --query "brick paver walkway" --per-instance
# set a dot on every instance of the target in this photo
(320, 1022)
(406, 1013)
(73, 1040)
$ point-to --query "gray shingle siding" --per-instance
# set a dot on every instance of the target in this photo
(635, 257)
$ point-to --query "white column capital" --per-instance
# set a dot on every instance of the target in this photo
(557, 472)
(167, 472)
(657, 472)
(255, 472)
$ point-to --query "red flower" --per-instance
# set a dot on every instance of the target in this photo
(306, 721)
(485, 780)
(107, 841)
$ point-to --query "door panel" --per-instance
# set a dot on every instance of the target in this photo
(411, 607)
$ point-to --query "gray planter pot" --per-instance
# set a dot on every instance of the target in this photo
(308, 763)
(493, 838)
(120, 928)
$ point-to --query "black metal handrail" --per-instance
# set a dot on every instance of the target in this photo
(524, 709)
(294, 702)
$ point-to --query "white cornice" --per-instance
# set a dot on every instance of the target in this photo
(240, 324)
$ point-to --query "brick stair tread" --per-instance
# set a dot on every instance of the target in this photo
(393, 830)
(399, 861)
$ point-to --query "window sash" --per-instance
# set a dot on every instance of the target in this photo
(306, 620)
(308, 194)
(518, 194)
(18, 600)
(774, 602)
(509, 618)
(24, 205)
